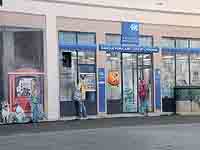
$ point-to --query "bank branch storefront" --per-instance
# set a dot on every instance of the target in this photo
(117, 83)
(126, 67)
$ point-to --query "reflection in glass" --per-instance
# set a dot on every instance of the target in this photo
(146, 41)
(182, 70)
(129, 82)
(168, 75)
(67, 37)
(195, 43)
(86, 57)
(144, 59)
(182, 43)
(195, 69)
(68, 76)
(168, 43)
(86, 38)
(113, 39)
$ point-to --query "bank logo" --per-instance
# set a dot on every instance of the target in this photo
(134, 27)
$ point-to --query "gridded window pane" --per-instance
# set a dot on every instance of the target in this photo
(146, 41)
(144, 59)
(195, 43)
(168, 43)
(182, 43)
(195, 69)
(86, 57)
(67, 37)
(113, 76)
(114, 39)
(182, 70)
(68, 75)
(168, 75)
(86, 38)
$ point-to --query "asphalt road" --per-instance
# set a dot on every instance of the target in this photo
(156, 137)
(151, 133)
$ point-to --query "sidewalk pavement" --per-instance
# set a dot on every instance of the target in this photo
(124, 115)
(62, 125)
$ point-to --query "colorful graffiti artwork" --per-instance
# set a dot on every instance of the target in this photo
(25, 102)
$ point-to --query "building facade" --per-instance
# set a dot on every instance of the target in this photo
(47, 46)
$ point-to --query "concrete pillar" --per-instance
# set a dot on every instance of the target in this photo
(52, 90)
(8, 58)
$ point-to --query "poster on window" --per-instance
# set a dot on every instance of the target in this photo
(113, 78)
(88, 80)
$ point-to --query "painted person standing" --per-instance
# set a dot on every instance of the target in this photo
(34, 101)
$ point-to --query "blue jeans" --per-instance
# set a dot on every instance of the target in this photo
(144, 106)
(82, 108)
(35, 111)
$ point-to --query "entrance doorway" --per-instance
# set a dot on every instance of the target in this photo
(145, 72)
(129, 79)
(130, 69)
(77, 67)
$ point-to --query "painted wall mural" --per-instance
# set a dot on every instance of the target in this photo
(26, 100)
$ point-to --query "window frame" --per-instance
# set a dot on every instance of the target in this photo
(189, 40)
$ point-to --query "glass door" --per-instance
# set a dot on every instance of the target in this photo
(87, 78)
(145, 73)
(129, 66)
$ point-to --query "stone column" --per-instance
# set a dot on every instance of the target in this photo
(51, 68)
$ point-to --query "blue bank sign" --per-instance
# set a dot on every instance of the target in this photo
(127, 49)
(130, 33)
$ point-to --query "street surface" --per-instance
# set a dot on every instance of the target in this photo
(141, 135)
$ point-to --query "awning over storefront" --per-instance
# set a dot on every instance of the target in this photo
(127, 49)
(181, 50)
(77, 47)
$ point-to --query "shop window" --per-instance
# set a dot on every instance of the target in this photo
(77, 66)
(168, 74)
(67, 37)
(67, 59)
(144, 60)
(86, 57)
(113, 39)
(195, 43)
(113, 76)
(182, 70)
(182, 43)
(195, 69)
(68, 75)
(168, 43)
(86, 38)
(28, 49)
(146, 41)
